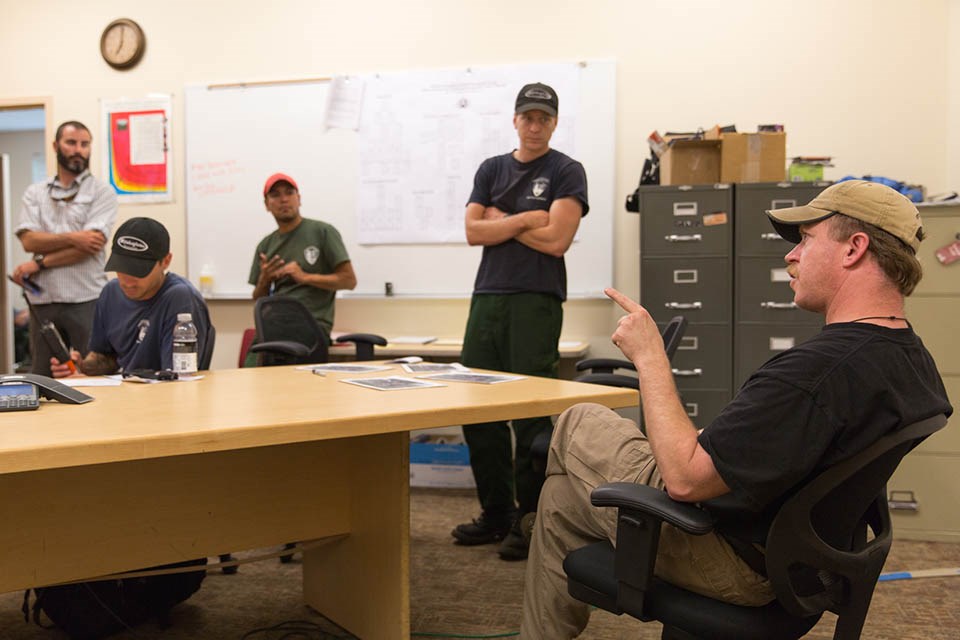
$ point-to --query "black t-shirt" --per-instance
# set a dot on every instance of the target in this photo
(817, 404)
(514, 187)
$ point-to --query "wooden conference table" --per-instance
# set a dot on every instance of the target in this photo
(245, 458)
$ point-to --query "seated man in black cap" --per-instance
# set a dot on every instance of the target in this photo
(135, 314)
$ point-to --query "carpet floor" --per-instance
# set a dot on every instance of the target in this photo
(460, 592)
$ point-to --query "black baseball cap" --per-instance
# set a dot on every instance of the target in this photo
(537, 96)
(138, 245)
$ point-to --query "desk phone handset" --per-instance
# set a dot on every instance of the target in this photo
(22, 392)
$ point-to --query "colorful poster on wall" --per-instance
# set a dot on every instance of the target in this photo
(137, 152)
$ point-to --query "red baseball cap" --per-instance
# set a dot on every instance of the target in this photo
(278, 177)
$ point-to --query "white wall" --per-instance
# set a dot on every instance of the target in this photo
(866, 81)
(953, 96)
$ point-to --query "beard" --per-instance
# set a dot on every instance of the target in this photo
(75, 164)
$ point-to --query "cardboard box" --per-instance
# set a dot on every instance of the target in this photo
(435, 464)
(752, 157)
(691, 162)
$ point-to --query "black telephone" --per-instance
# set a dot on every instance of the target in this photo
(22, 392)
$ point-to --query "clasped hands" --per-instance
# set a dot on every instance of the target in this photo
(275, 268)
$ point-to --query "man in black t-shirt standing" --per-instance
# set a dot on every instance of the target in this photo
(524, 210)
(864, 375)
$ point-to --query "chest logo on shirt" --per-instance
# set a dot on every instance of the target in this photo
(311, 254)
(144, 327)
(540, 186)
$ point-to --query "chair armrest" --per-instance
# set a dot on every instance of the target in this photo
(610, 379)
(286, 347)
(639, 498)
(604, 365)
(640, 511)
(364, 343)
(370, 338)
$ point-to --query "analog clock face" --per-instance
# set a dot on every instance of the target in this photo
(122, 43)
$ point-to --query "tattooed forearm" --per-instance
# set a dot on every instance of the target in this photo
(98, 364)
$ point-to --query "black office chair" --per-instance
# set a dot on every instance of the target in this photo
(818, 554)
(287, 333)
(203, 362)
(601, 371)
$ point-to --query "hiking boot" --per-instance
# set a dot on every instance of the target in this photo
(482, 530)
(287, 558)
(516, 544)
(232, 569)
(526, 526)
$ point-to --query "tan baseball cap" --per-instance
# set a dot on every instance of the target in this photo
(869, 202)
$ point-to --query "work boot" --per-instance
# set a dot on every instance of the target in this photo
(516, 544)
(287, 558)
(232, 569)
(483, 530)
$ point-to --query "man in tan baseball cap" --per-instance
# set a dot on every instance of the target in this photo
(869, 202)
(866, 374)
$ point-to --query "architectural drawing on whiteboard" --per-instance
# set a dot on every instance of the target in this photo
(422, 135)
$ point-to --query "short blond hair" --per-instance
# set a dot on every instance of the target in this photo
(898, 261)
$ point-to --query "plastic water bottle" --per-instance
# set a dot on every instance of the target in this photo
(206, 281)
(185, 345)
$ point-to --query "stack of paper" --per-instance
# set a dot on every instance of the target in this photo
(412, 340)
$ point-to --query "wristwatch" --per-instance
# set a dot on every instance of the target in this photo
(38, 258)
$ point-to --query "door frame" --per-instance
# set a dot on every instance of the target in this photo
(7, 293)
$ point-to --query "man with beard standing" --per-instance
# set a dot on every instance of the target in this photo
(65, 222)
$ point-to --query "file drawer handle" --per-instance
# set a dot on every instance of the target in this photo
(688, 373)
(778, 305)
(695, 237)
(773, 237)
(684, 305)
(903, 501)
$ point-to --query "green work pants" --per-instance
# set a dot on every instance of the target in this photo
(517, 333)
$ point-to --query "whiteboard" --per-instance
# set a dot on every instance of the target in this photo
(237, 135)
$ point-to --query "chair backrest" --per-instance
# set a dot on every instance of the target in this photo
(672, 334)
(245, 342)
(203, 363)
(282, 318)
(818, 554)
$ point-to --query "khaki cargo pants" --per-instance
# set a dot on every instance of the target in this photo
(591, 446)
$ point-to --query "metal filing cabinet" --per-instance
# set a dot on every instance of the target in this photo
(767, 321)
(927, 493)
(686, 240)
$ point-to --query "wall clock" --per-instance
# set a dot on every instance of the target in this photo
(122, 43)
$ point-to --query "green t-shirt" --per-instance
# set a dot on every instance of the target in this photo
(318, 248)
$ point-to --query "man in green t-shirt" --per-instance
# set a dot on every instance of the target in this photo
(303, 258)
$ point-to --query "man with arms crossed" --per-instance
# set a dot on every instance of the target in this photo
(524, 210)
(303, 258)
(864, 375)
(136, 312)
(65, 223)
